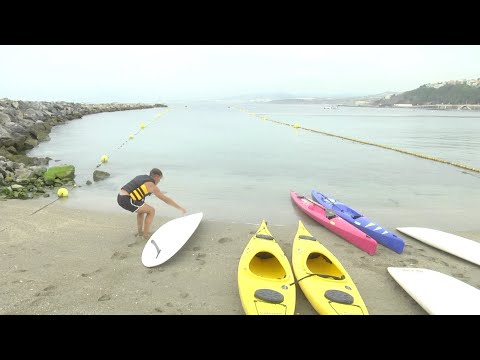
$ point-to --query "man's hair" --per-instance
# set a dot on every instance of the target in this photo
(156, 171)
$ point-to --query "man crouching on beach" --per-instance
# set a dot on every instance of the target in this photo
(132, 198)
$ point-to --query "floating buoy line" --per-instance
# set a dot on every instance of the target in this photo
(297, 126)
(63, 192)
(104, 158)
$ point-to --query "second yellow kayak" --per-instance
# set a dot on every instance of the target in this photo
(323, 279)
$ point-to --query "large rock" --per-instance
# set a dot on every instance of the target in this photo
(59, 172)
(33, 114)
(4, 118)
(100, 175)
(30, 143)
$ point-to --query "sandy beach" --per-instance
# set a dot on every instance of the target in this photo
(69, 261)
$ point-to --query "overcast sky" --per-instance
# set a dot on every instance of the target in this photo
(163, 73)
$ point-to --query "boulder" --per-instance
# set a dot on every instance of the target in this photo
(100, 175)
(59, 172)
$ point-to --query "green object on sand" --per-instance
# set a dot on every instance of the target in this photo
(59, 172)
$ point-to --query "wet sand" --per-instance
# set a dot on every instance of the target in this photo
(62, 260)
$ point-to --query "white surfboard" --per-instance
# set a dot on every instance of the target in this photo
(436, 292)
(456, 245)
(169, 239)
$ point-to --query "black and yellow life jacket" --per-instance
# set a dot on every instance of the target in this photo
(137, 188)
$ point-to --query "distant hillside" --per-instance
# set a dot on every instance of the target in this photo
(347, 100)
(428, 95)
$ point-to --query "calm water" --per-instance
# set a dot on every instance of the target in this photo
(236, 167)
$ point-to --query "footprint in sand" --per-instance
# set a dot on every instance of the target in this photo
(117, 255)
(169, 304)
(224, 240)
(48, 291)
(158, 310)
(20, 270)
(459, 276)
(429, 258)
(104, 297)
(199, 258)
(36, 301)
(183, 295)
(196, 248)
(410, 261)
(156, 269)
(134, 244)
(91, 273)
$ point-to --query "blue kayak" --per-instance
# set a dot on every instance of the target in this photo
(369, 227)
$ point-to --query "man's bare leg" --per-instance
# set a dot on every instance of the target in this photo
(150, 214)
(140, 218)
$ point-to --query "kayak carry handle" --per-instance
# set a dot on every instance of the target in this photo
(266, 237)
(306, 237)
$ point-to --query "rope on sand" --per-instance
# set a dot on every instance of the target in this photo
(43, 207)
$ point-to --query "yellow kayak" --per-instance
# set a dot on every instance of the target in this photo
(323, 280)
(265, 279)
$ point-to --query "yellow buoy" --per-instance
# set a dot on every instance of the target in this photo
(142, 125)
(296, 126)
(62, 192)
(131, 136)
(104, 158)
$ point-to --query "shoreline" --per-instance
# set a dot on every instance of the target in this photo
(63, 260)
(26, 124)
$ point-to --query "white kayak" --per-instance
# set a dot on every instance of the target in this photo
(456, 245)
(436, 292)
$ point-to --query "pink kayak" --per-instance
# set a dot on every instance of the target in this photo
(335, 223)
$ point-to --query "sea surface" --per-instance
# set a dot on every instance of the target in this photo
(228, 162)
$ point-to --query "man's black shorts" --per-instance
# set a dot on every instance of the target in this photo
(126, 202)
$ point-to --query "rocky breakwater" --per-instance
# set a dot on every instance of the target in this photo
(23, 125)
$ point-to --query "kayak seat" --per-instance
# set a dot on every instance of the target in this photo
(330, 214)
(339, 297)
(269, 295)
(315, 255)
(264, 255)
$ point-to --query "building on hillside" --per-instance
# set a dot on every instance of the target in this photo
(362, 103)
